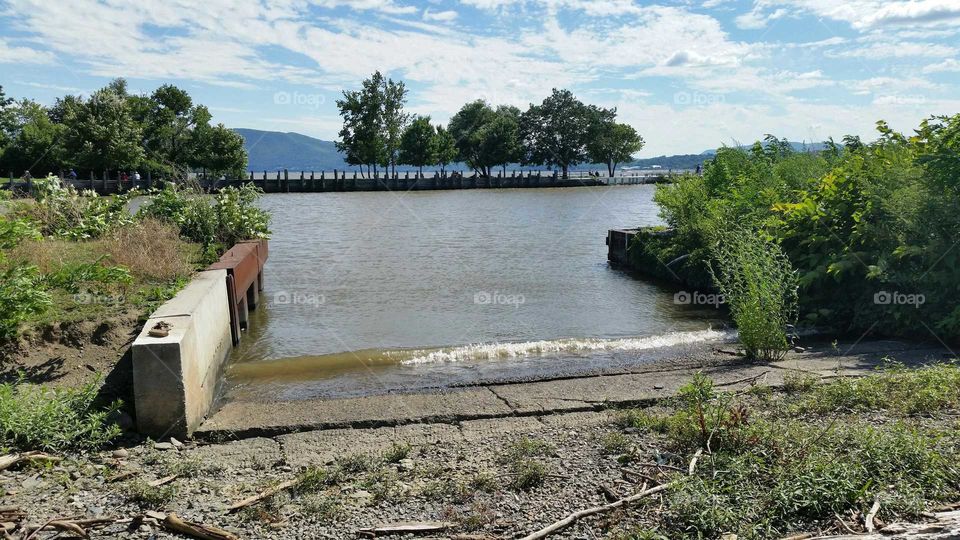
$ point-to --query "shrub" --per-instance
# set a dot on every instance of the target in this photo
(760, 286)
(150, 249)
(21, 297)
(66, 213)
(40, 418)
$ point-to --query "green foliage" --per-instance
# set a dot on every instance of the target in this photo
(896, 389)
(444, 148)
(760, 286)
(556, 132)
(142, 493)
(66, 213)
(396, 453)
(76, 277)
(373, 122)
(766, 473)
(416, 144)
(230, 217)
(611, 143)
(36, 417)
(113, 130)
(22, 296)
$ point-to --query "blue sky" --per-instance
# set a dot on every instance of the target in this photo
(688, 75)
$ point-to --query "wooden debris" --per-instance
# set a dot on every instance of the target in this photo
(693, 462)
(801, 536)
(10, 460)
(120, 476)
(406, 528)
(868, 521)
(572, 518)
(173, 523)
(262, 495)
(165, 480)
(608, 493)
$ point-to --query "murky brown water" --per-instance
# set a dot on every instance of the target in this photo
(381, 292)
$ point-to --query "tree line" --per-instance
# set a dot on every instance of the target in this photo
(114, 130)
(561, 132)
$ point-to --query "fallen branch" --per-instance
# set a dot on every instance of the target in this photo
(120, 476)
(262, 495)
(868, 522)
(801, 536)
(164, 480)
(751, 379)
(406, 528)
(693, 462)
(659, 466)
(572, 518)
(10, 460)
(196, 530)
(638, 474)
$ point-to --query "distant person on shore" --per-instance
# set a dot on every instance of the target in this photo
(124, 177)
(698, 169)
(27, 176)
(72, 175)
(136, 176)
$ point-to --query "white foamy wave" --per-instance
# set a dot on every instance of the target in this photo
(494, 351)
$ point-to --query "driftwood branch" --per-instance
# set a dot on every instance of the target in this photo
(196, 530)
(868, 521)
(406, 528)
(262, 495)
(572, 518)
(10, 460)
(693, 462)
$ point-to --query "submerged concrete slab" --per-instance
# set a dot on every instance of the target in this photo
(530, 405)
(175, 377)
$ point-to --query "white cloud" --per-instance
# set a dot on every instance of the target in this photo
(440, 16)
(16, 54)
(948, 65)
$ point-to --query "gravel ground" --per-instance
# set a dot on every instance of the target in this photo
(461, 474)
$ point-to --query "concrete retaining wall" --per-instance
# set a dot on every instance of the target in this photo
(175, 377)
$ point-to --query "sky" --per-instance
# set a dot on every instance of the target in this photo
(689, 76)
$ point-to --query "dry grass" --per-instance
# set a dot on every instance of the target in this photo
(150, 249)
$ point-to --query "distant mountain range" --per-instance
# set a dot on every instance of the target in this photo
(274, 150)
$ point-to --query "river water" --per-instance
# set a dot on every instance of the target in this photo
(381, 292)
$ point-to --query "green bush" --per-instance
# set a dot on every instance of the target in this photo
(760, 286)
(216, 223)
(22, 296)
(34, 417)
(64, 212)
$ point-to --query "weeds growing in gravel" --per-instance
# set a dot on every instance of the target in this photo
(766, 472)
(396, 453)
(35, 417)
(142, 493)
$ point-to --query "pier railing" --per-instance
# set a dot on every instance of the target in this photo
(285, 181)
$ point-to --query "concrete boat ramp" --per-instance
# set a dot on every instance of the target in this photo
(500, 405)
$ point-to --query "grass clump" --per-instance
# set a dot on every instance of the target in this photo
(34, 417)
(615, 443)
(896, 389)
(396, 453)
(322, 508)
(766, 473)
(525, 469)
(142, 493)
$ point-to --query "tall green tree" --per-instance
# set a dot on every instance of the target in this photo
(101, 133)
(469, 129)
(500, 138)
(220, 152)
(394, 120)
(444, 148)
(611, 143)
(36, 145)
(361, 137)
(170, 121)
(7, 119)
(416, 144)
(556, 132)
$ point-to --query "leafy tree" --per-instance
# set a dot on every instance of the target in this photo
(101, 133)
(416, 144)
(556, 132)
(467, 128)
(221, 152)
(170, 120)
(444, 148)
(7, 119)
(612, 144)
(36, 145)
(500, 138)
(394, 120)
(361, 137)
